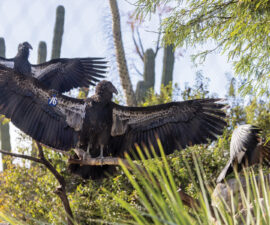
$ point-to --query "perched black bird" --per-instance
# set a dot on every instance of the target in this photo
(246, 149)
(102, 127)
(59, 74)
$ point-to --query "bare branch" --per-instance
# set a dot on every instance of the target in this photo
(50, 167)
(140, 40)
(98, 161)
(186, 199)
(136, 46)
(21, 156)
(136, 69)
(61, 192)
(159, 35)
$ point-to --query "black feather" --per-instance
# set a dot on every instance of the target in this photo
(60, 74)
(81, 123)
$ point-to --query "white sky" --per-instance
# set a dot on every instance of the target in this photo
(87, 33)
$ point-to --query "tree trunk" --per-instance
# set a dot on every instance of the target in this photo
(120, 54)
(58, 32)
(4, 129)
(148, 75)
(168, 63)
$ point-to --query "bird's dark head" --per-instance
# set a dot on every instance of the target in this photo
(24, 45)
(105, 89)
(23, 49)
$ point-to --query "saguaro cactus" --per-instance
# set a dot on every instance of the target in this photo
(2, 47)
(148, 75)
(168, 63)
(42, 52)
(58, 32)
(4, 129)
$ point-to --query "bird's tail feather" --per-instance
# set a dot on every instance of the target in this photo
(225, 172)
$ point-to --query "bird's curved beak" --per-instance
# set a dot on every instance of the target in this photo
(29, 46)
(26, 44)
(114, 90)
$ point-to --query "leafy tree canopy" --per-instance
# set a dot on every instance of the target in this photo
(239, 28)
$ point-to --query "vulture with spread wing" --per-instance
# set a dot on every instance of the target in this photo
(102, 127)
(59, 74)
(246, 149)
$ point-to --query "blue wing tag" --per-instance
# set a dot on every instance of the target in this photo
(52, 101)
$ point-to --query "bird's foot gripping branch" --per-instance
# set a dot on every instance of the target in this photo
(87, 160)
(116, 161)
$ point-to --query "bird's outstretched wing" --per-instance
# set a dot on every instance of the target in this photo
(64, 74)
(7, 62)
(244, 141)
(177, 124)
(47, 117)
(243, 147)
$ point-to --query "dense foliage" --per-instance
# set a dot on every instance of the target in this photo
(27, 192)
(240, 29)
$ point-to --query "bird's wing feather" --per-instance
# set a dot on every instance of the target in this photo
(243, 145)
(244, 138)
(64, 74)
(177, 124)
(7, 62)
(228, 169)
(25, 102)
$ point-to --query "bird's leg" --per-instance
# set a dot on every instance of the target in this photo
(79, 152)
(87, 153)
(101, 153)
(88, 148)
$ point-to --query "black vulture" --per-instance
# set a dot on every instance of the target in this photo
(246, 149)
(102, 127)
(59, 74)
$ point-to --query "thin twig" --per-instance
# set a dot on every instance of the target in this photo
(137, 47)
(136, 69)
(158, 39)
(140, 40)
(21, 156)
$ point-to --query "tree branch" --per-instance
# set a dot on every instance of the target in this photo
(50, 167)
(136, 69)
(158, 39)
(186, 199)
(136, 46)
(21, 156)
(140, 40)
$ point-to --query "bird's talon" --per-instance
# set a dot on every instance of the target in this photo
(101, 158)
(85, 156)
